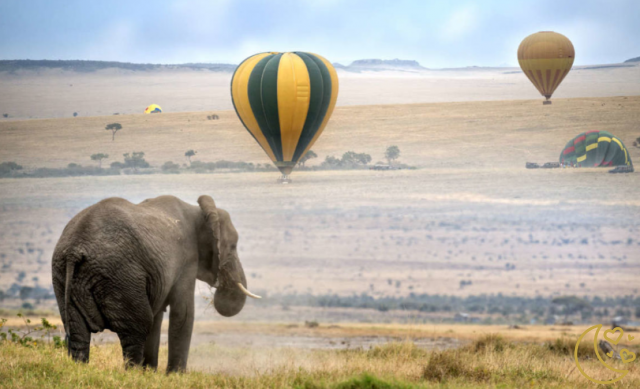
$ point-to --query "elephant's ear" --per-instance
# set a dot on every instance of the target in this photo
(210, 212)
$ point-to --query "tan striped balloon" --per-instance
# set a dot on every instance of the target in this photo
(546, 58)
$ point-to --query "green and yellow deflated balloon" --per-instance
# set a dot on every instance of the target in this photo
(594, 149)
(285, 100)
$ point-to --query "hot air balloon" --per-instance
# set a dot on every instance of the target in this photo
(153, 108)
(594, 149)
(285, 100)
(546, 58)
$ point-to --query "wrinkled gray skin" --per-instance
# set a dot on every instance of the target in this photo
(119, 265)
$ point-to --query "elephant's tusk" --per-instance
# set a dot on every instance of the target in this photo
(245, 291)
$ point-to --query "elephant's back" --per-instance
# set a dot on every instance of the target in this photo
(119, 231)
(105, 228)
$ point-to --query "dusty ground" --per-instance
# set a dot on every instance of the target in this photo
(52, 93)
(469, 210)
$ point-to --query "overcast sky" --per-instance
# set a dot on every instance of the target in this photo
(435, 33)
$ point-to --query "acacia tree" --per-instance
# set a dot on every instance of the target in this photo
(99, 157)
(309, 155)
(392, 153)
(190, 154)
(113, 127)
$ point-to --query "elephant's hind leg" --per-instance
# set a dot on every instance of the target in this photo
(130, 316)
(132, 349)
(78, 335)
(152, 344)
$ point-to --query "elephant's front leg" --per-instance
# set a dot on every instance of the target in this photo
(152, 344)
(180, 326)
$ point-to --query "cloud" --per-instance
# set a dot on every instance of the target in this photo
(461, 23)
(117, 42)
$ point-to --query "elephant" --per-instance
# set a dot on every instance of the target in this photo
(119, 265)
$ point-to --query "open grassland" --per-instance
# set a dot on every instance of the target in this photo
(487, 362)
(469, 135)
(471, 212)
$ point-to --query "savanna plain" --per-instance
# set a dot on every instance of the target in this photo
(466, 220)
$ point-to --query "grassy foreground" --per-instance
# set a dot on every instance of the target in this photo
(490, 362)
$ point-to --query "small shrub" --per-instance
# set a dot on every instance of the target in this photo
(407, 350)
(490, 343)
(367, 381)
(311, 324)
(566, 347)
(171, 168)
(27, 334)
(28, 306)
(448, 364)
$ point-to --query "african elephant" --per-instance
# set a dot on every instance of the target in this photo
(118, 266)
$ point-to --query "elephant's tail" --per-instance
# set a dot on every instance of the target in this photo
(67, 295)
(81, 313)
(78, 336)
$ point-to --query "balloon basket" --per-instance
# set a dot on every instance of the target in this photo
(284, 179)
(546, 102)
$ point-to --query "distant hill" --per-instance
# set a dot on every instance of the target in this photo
(92, 66)
(384, 64)
(637, 59)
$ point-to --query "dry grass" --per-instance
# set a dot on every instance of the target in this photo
(483, 364)
(443, 135)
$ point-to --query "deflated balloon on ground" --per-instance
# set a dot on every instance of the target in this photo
(595, 149)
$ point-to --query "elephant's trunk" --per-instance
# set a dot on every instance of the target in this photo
(231, 292)
(229, 298)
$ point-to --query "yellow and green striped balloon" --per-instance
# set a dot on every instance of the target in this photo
(285, 100)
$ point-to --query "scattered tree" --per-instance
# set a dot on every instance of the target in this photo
(99, 157)
(135, 160)
(636, 143)
(309, 155)
(25, 292)
(572, 305)
(190, 154)
(5, 115)
(113, 127)
(170, 167)
(392, 153)
(353, 158)
(7, 167)
(75, 114)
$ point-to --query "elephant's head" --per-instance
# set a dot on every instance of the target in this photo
(219, 265)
